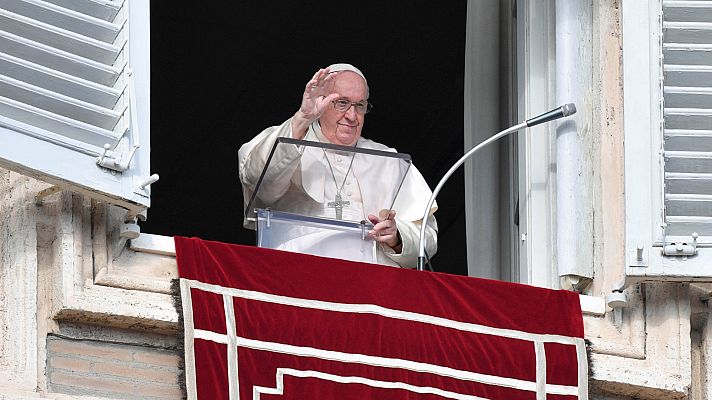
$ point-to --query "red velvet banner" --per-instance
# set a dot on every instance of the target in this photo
(266, 324)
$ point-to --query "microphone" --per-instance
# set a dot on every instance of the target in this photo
(560, 112)
(563, 111)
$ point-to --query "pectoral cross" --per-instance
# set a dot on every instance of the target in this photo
(338, 204)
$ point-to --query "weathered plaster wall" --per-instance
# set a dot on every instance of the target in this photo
(18, 282)
(80, 314)
(650, 353)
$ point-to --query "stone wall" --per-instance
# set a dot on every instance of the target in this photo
(112, 369)
(81, 315)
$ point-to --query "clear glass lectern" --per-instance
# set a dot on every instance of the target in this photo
(314, 197)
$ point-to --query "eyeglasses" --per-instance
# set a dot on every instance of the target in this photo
(362, 107)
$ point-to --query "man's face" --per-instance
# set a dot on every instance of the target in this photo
(344, 128)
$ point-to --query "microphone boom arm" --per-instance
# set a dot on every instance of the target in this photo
(563, 111)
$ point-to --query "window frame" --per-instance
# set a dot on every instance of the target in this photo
(536, 148)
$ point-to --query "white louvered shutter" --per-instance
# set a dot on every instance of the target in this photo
(668, 59)
(687, 134)
(75, 95)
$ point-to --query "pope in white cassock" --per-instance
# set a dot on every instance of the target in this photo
(333, 109)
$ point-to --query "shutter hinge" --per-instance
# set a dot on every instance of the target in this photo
(681, 249)
(122, 164)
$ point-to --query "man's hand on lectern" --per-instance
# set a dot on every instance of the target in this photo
(385, 230)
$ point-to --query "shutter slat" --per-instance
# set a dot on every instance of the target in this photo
(684, 226)
(688, 97)
(688, 161)
(25, 71)
(58, 60)
(692, 205)
(102, 9)
(688, 75)
(687, 54)
(688, 140)
(59, 38)
(688, 10)
(687, 32)
(35, 96)
(73, 21)
(26, 115)
(688, 182)
(687, 118)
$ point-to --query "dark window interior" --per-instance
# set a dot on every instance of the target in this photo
(222, 72)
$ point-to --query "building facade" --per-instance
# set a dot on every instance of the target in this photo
(613, 204)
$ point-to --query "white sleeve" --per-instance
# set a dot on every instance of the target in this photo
(253, 156)
(410, 206)
(410, 234)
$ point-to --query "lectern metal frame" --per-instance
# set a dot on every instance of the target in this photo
(280, 227)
